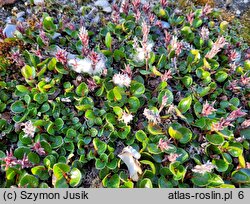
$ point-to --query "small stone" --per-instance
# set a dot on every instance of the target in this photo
(20, 14)
(165, 24)
(105, 5)
(9, 30)
(102, 3)
(96, 19)
(91, 14)
(238, 12)
(38, 2)
(8, 19)
(107, 9)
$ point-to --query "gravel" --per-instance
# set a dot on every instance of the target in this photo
(236, 6)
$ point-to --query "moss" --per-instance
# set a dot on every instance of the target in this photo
(245, 30)
(203, 2)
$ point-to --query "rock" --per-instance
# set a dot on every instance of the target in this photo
(38, 2)
(8, 19)
(238, 7)
(238, 12)
(95, 20)
(105, 5)
(102, 3)
(107, 9)
(91, 14)
(9, 30)
(20, 14)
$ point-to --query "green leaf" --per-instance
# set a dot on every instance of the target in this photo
(183, 155)
(168, 94)
(221, 165)
(151, 164)
(153, 148)
(186, 135)
(108, 40)
(117, 93)
(215, 139)
(187, 81)
(57, 142)
(20, 151)
(28, 181)
(118, 55)
(201, 179)
(75, 177)
(22, 88)
(234, 101)
(2, 107)
(164, 183)
(241, 176)
(242, 161)
(50, 128)
(118, 111)
(48, 23)
(113, 164)
(223, 26)
(71, 133)
(45, 108)
(52, 64)
(146, 183)
(18, 107)
(40, 98)
(197, 22)
(49, 161)
(28, 72)
(134, 104)
(154, 129)
(216, 181)
(43, 185)
(60, 169)
(227, 158)
(41, 172)
(33, 158)
(61, 183)
(61, 69)
(2, 155)
(184, 104)
(99, 145)
(140, 135)
(90, 115)
(101, 162)
(245, 133)
(24, 139)
(58, 124)
(221, 76)
(107, 53)
(111, 182)
(82, 89)
(137, 89)
(31, 58)
(11, 172)
(124, 132)
(176, 134)
(3, 123)
(235, 149)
